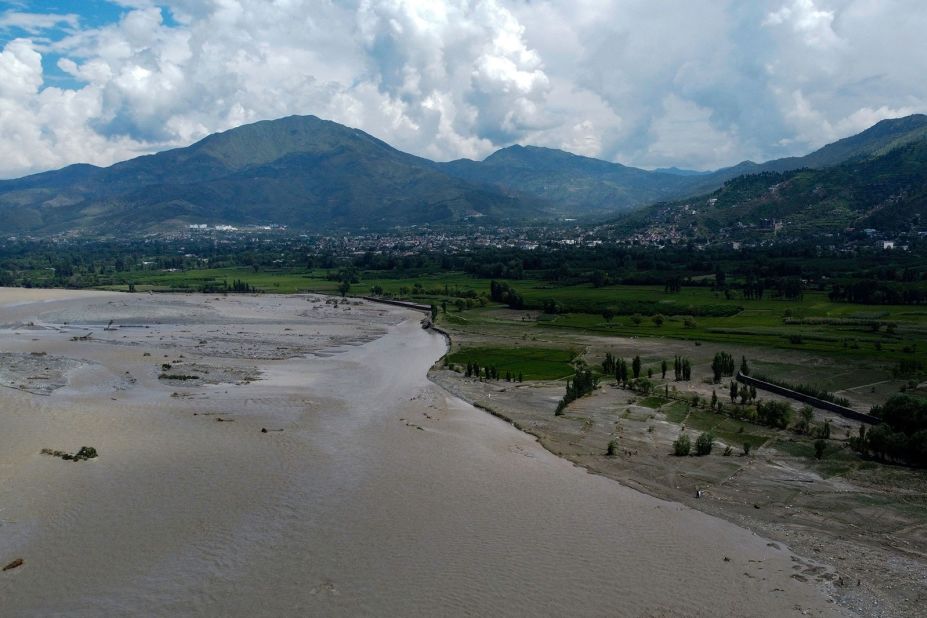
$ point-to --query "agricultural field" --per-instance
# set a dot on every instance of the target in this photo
(890, 340)
(528, 363)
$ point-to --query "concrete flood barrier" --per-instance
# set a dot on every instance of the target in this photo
(399, 303)
(812, 401)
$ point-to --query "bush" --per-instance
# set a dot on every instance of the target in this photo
(612, 448)
(682, 446)
(774, 413)
(704, 443)
(902, 434)
(746, 449)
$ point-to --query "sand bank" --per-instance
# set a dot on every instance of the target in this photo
(382, 495)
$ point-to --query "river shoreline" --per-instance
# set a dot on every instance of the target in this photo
(855, 571)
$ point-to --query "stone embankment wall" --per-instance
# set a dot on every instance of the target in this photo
(399, 303)
(811, 401)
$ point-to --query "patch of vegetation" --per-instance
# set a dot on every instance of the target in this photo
(582, 384)
(704, 444)
(676, 412)
(902, 434)
(85, 453)
(682, 445)
(177, 376)
(612, 450)
(532, 363)
(652, 401)
(776, 414)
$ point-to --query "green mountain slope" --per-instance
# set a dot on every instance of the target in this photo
(298, 171)
(886, 191)
(313, 174)
(575, 185)
(579, 186)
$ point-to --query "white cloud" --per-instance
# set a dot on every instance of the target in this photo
(812, 24)
(36, 22)
(648, 82)
(684, 132)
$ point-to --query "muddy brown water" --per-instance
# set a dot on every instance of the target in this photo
(383, 495)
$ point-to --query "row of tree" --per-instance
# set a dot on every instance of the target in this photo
(583, 383)
(722, 365)
(747, 394)
(682, 369)
(474, 370)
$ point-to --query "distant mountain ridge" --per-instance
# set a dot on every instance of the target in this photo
(583, 186)
(298, 171)
(317, 175)
(881, 185)
(573, 184)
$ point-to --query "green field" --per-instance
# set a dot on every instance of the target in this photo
(813, 324)
(532, 363)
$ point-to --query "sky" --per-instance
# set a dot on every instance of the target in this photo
(698, 84)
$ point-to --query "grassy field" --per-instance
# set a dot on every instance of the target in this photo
(813, 324)
(531, 363)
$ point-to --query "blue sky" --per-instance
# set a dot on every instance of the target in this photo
(698, 84)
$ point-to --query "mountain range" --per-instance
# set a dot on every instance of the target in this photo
(885, 191)
(316, 175)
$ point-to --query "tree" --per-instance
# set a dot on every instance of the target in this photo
(663, 368)
(682, 446)
(744, 367)
(658, 320)
(434, 312)
(609, 365)
(612, 448)
(774, 413)
(807, 415)
(733, 391)
(343, 288)
(621, 371)
(819, 448)
(583, 383)
(722, 365)
(704, 443)
(636, 367)
(636, 319)
(608, 314)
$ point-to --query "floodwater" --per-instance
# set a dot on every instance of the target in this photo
(382, 494)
